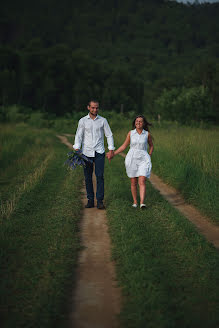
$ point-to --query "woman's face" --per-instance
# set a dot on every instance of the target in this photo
(139, 123)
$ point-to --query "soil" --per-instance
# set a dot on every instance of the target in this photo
(202, 223)
(96, 299)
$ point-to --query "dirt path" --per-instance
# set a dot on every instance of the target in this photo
(204, 226)
(96, 298)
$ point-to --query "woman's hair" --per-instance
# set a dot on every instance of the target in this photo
(146, 123)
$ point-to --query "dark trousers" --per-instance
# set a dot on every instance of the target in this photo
(98, 160)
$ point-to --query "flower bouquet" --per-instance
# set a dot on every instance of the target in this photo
(76, 158)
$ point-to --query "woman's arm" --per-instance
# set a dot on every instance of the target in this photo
(124, 145)
(150, 142)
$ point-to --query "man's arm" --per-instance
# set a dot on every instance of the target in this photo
(79, 135)
(109, 137)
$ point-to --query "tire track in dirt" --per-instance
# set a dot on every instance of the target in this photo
(96, 299)
(202, 223)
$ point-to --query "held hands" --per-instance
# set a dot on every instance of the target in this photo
(110, 155)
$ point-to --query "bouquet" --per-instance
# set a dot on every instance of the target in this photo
(76, 158)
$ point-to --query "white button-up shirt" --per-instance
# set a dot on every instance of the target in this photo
(90, 135)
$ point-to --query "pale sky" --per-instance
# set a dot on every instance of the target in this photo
(200, 1)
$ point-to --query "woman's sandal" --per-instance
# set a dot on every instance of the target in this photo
(143, 206)
(134, 205)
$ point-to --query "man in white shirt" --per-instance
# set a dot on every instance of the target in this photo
(90, 136)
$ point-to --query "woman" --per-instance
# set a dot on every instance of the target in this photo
(138, 160)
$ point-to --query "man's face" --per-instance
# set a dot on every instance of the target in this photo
(93, 108)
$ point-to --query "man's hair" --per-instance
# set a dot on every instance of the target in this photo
(93, 100)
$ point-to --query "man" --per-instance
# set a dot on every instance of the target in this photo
(90, 135)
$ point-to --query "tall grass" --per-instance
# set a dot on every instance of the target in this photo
(184, 157)
(8, 207)
(168, 272)
(23, 157)
(188, 158)
(37, 119)
(40, 209)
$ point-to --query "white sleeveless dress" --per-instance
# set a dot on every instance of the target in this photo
(138, 161)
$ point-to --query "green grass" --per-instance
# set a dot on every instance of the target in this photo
(169, 274)
(39, 237)
(186, 158)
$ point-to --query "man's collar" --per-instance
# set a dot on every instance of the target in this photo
(88, 116)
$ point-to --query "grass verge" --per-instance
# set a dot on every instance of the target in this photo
(186, 158)
(39, 244)
(169, 273)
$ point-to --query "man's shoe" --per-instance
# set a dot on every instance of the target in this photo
(89, 204)
(100, 206)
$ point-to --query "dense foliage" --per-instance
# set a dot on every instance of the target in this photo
(54, 55)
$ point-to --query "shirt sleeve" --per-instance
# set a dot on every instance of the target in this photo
(109, 135)
(79, 135)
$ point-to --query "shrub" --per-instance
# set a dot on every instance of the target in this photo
(37, 120)
(186, 105)
(12, 114)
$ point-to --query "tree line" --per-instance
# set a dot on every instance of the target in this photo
(59, 80)
(159, 57)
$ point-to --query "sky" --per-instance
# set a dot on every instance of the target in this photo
(200, 1)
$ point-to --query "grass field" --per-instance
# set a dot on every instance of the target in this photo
(186, 158)
(40, 208)
(169, 274)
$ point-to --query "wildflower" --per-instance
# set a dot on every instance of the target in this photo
(76, 158)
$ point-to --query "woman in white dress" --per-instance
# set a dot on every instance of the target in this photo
(138, 160)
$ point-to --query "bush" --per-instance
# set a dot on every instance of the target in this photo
(37, 120)
(12, 114)
(186, 105)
